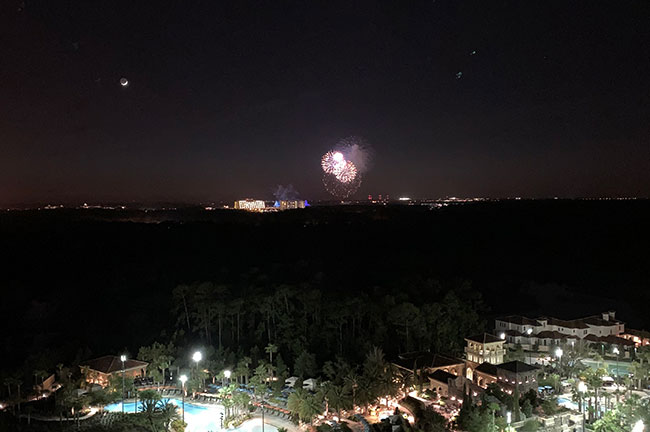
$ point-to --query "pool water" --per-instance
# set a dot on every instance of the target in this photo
(200, 418)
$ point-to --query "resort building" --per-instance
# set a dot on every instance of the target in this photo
(250, 205)
(424, 364)
(100, 370)
(485, 347)
(292, 204)
(543, 333)
(639, 337)
(507, 376)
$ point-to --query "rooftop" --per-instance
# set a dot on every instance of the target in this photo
(579, 323)
(442, 376)
(517, 366)
(484, 338)
(487, 368)
(638, 333)
(109, 364)
(425, 359)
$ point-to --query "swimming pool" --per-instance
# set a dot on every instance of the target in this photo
(201, 418)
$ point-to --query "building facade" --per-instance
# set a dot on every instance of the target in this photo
(544, 333)
(485, 347)
(100, 370)
(250, 205)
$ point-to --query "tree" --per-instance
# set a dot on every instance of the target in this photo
(242, 370)
(169, 414)
(304, 405)
(339, 398)
(305, 365)
(594, 379)
(516, 412)
(271, 349)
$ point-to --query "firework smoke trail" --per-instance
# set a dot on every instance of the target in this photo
(356, 150)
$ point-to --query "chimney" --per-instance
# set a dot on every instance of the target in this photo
(606, 316)
(612, 315)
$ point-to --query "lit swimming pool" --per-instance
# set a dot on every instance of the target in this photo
(200, 418)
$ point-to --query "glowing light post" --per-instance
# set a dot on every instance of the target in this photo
(582, 389)
(197, 356)
(530, 353)
(226, 375)
(617, 352)
(558, 354)
(508, 419)
(183, 379)
(123, 358)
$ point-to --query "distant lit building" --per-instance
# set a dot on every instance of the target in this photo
(250, 205)
(292, 204)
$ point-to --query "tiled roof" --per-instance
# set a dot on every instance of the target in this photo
(610, 339)
(577, 323)
(517, 366)
(550, 334)
(487, 368)
(519, 320)
(638, 333)
(613, 340)
(597, 320)
(426, 360)
(580, 323)
(442, 376)
(484, 338)
(109, 364)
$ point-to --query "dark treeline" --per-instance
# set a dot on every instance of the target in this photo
(309, 317)
(80, 283)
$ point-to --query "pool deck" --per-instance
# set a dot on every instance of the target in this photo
(277, 422)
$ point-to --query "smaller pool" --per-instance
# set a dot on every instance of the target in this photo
(567, 403)
(200, 418)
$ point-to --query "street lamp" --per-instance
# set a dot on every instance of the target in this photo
(529, 332)
(582, 389)
(123, 359)
(183, 379)
(502, 336)
(508, 419)
(227, 374)
(617, 352)
(197, 356)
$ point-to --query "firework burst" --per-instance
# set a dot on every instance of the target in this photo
(340, 189)
(344, 165)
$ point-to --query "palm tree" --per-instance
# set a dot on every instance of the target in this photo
(18, 383)
(168, 413)
(304, 404)
(339, 398)
(594, 379)
(270, 350)
(164, 362)
(9, 381)
(242, 371)
(352, 381)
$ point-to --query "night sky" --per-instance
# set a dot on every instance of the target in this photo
(229, 99)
